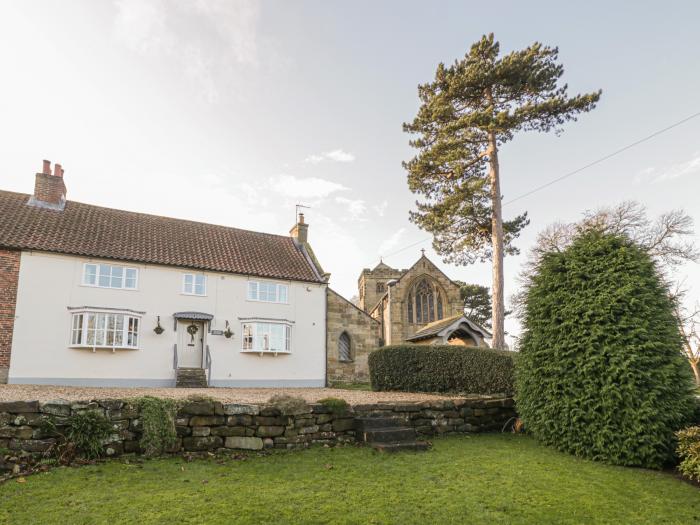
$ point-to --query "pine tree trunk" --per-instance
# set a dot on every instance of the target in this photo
(498, 304)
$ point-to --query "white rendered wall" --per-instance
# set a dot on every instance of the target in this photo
(49, 284)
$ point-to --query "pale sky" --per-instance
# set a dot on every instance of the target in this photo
(232, 112)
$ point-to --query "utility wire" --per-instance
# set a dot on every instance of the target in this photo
(574, 172)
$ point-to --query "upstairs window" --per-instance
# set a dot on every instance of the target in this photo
(267, 292)
(105, 330)
(194, 284)
(110, 276)
(267, 337)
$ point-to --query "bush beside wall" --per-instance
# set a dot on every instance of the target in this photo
(600, 372)
(416, 368)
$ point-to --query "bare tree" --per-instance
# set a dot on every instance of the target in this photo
(688, 320)
(665, 239)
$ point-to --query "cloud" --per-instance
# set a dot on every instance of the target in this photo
(203, 38)
(305, 188)
(674, 171)
(381, 208)
(336, 155)
(356, 208)
(680, 170)
(392, 242)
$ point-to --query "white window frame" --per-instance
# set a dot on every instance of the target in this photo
(254, 288)
(96, 284)
(194, 284)
(256, 339)
(131, 324)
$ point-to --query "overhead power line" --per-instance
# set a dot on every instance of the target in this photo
(574, 172)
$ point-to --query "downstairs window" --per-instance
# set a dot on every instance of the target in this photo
(267, 337)
(105, 330)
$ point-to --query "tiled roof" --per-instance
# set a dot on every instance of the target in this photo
(436, 327)
(93, 231)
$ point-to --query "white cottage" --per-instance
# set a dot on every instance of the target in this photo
(103, 297)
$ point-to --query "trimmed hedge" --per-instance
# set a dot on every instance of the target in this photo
(600, 372)
(445, 368)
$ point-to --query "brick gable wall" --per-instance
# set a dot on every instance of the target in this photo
(9, 276)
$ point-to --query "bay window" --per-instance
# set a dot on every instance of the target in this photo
(267, 337)
(105, 330)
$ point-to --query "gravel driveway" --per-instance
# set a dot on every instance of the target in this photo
(228, 395)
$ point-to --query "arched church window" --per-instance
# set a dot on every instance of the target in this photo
(380, 287)
(424, 298)
(425, 301)
(344, 353)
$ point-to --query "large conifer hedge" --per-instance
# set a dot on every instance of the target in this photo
(600, 373)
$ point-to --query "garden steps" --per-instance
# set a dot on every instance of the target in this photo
(388, 434)
(191, 378)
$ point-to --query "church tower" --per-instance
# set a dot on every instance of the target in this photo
(372, 284)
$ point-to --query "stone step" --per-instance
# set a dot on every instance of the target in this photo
(191, 378)
(389, 435)
(372, 423)
(401, 447)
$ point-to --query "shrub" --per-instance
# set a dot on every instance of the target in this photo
(417, 368)
(600, 372)
(335, 405)
(158, 424)
(85, 433)
(689, 452)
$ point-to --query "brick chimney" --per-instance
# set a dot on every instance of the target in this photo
(49, 188)
(300, 231)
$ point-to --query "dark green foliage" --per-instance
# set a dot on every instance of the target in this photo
(600, 373)
(467, 113)
(689, 452)
(457, 369)
(158, 423)
(335, 404)
(87, 431)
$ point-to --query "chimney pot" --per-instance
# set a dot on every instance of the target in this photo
(301, 218)
(49, 189)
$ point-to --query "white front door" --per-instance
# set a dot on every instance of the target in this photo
(190, 344)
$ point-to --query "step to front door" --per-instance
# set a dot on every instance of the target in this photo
(191, 378)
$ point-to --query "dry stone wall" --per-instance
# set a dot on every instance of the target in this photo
(210, 425)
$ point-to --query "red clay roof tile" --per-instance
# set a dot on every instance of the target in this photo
(93, 231)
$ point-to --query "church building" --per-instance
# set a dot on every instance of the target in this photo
(419, 305)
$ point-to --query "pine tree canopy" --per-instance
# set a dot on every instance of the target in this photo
(478, 96)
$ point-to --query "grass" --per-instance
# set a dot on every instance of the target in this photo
(347, 385)
(481, 479)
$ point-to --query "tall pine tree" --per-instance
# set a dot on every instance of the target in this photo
(467, 113)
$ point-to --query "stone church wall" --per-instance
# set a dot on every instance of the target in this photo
(364, 333)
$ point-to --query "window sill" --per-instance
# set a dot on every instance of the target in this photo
(109, 348)
(193, 294)
(266, 352)
(108, 287)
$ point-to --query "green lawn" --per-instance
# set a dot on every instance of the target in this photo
(490, 478)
